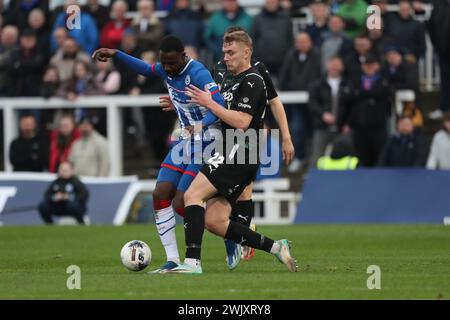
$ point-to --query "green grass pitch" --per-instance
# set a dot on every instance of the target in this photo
(333, 260)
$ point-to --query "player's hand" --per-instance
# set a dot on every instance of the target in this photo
(103, 54)
(198, 96)
(166, 104)
(288, 150)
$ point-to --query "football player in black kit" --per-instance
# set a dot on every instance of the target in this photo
(221, 181)
(243, 211)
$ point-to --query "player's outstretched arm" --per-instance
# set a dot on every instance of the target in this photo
(135, 64)
(236, 119)
(277, 108)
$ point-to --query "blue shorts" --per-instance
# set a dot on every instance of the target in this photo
(181, 170)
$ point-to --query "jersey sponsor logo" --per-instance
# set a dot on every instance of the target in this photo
(250, 84)
(187, 81)
(243, 105)
(235, 87)
(245, 100)
(221, 74)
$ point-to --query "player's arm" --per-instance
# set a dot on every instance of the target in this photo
(246, 102)
(277, 108)
(236, 119)
(135, 64)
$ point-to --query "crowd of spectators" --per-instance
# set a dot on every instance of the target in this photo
(350, 71)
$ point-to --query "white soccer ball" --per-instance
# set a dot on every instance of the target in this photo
(136, 255)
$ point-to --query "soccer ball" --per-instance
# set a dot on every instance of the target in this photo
(136, 255)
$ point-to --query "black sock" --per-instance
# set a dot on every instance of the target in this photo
(245, 236)
(194, 225)
(243, 212)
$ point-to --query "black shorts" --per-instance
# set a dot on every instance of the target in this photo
(230, 179)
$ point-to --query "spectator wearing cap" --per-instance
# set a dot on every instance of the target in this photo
(318, 30)
(86, 36)
(399, 73)
(439, 157)
(354, 13)
(89, 154)
(406, 148)
(149, 30)
(26, 66)
(367, 115)
(272, 35)
(186, 24)
(408, 34)
(112, 32)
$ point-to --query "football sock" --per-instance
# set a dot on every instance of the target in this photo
(165, 223)
(245, 236)
(194, 226)
(243, 212)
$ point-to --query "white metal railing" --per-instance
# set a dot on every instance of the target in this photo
(270, 193)
(114, 106)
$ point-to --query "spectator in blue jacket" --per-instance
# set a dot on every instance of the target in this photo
(86, 36)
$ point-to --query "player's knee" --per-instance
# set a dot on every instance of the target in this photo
(190, 196)
(214, 224)
(162, 192)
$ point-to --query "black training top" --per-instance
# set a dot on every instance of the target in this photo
(245, 92)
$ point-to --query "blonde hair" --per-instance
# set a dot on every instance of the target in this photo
(239, 36)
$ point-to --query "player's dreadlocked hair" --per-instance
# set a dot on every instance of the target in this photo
(238, 34)
(171, 43)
